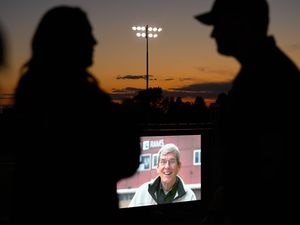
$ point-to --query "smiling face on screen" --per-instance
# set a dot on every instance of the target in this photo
(168, 168)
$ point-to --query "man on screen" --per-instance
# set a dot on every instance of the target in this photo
(167, 187)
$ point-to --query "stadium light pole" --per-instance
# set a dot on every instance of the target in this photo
(147, 32)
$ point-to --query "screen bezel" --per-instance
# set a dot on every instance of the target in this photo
(186, 209)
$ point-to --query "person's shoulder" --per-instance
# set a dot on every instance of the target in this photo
(186, 188)
(181, 179)
(146, 184)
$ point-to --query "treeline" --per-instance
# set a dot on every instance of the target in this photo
(151, 106)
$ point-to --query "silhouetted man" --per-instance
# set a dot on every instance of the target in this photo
(260, 116)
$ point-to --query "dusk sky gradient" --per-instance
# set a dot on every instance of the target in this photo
(183, 60)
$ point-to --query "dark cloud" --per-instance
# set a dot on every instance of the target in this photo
(169, 79)
(131, 77)
(209, 90)
(124, 93)
(134, 77)
(206, 90)
(126, 90)
(212, 86)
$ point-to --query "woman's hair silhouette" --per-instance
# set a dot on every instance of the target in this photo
(66, 122)
(63, 37)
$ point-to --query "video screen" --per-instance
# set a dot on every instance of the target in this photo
(158, 172)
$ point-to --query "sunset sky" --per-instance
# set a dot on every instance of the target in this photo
(183, 60)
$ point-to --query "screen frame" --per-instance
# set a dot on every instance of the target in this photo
(186, 209)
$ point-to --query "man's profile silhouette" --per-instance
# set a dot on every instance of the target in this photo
(260, 163)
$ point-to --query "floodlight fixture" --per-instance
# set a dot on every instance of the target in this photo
(147, 32)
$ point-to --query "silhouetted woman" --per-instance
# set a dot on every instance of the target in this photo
(66, 123)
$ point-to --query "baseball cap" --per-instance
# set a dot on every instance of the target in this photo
(256, 9)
